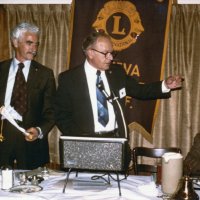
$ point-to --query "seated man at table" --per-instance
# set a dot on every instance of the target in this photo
(192, 161)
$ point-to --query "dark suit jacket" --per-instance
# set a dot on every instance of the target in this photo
(41, 89)
(192, 161)
(74, 115)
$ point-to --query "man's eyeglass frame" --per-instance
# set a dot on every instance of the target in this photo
(113, 53)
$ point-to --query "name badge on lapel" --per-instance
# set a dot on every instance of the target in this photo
(122, 93)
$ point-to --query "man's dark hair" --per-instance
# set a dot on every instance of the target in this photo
(92, 38)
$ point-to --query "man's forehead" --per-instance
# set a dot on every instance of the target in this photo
(27, 36)
(104, 42)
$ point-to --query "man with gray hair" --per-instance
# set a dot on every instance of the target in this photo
(26, 92)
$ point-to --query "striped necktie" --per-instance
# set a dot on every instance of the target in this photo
(101, 101)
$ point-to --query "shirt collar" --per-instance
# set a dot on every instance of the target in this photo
(90, 69)
(27, 63)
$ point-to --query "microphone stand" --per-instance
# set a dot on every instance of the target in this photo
(115, 98)
(110, 99)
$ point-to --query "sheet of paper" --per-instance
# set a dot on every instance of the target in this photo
(7, 116)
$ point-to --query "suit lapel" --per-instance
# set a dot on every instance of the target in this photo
(112, 81)
(115, 85)
(83, 87)
(33, 75)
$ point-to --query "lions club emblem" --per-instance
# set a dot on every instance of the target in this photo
(121, 21)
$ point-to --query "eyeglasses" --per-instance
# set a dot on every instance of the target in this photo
(113, 53)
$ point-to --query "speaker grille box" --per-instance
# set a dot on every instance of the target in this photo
(104, 154)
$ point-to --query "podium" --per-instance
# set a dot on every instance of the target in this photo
(93, 154)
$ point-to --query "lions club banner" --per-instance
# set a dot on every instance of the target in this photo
(138, 29)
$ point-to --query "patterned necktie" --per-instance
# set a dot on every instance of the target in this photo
(101, 101)
(19, 94)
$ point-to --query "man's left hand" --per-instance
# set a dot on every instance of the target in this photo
(174, 82)
(34, 134)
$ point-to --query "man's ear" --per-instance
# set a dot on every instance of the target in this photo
(15, 43)
(90, 53)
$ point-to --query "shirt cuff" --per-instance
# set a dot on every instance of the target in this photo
(40, 136)
(164, 88)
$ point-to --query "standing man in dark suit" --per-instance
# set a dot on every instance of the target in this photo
(76, 99)
(37, 117)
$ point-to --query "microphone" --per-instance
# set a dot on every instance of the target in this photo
(111, 98)
(100, 86)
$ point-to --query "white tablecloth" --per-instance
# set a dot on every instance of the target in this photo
(53, 189)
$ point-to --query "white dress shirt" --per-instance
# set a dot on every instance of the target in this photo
(10, 83)
(91, 80)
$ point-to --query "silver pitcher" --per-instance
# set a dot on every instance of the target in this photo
(185, 190)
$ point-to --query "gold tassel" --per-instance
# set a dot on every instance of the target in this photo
(1, 133)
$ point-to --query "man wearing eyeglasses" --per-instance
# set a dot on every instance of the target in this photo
(90, 98)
